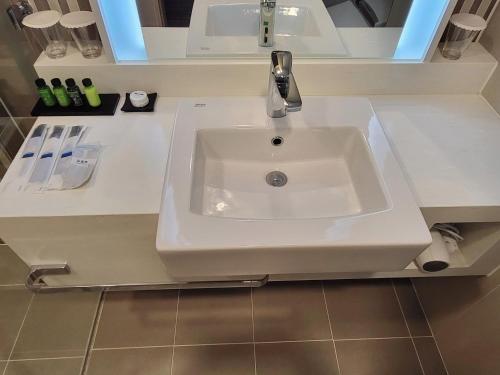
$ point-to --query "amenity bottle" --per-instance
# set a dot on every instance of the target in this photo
(45, 93)
(91, 93)
(60, 93)
(74, 92)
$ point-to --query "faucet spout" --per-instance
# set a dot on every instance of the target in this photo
(283, 94)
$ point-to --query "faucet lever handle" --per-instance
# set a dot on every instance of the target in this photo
(282, 64)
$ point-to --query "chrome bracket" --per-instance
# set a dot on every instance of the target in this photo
(35, 283)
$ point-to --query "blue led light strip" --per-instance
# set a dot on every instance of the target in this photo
(421, 24)
(123, 26)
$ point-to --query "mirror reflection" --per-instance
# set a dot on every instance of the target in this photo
(253, 28)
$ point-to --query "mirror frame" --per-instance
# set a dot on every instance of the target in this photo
(120, 28)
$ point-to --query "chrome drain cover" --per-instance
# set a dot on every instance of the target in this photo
(276, 179)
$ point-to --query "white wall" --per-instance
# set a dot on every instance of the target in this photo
(491, 41)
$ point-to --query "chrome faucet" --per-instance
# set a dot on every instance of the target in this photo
(282, 93)
(266, 22)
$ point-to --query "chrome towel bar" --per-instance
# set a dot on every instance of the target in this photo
(35, 283)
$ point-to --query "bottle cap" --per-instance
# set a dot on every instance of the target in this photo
(56, 82)
(70, 82)
(40, 82)
(87, 82)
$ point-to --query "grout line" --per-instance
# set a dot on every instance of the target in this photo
(93, 333)
(331, 327)
(44, 359)
(213, 344)
(253, 335)
(11, 285)
(429, 325)
(407, 327)
(257, 342)
(375, 338)
(18, 333)
(175, 331)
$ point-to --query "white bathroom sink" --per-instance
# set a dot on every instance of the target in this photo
(315, 173)
(316, 191)
(230, 28)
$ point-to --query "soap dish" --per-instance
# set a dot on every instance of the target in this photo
(150, 107)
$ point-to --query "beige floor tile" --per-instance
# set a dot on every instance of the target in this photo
(429, 356)
(296, 358)
(12, 269)
(2, 366)
(214, 316)
(57, 325)
(290, 311)
(143, 361)
(378, 357)
(13, 306)
(137, 319)
(411, 308)
(64, 366)
(364, 309)
(214, 360)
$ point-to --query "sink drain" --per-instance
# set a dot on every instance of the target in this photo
(276, 179)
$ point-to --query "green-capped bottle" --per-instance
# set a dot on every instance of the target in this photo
(60, 93)
(91, 93)
(45, 93)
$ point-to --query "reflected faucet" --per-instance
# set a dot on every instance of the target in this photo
(282, 93)
(266, 22)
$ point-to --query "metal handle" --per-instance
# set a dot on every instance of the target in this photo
(35, 283)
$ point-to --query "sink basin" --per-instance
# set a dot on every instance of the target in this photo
(230, 28)
(317, 191)
(327, 173)
(243, 20)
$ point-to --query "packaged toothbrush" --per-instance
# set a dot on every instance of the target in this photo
(27, 157)
(46, 159)
(31, 150)
(63, 162)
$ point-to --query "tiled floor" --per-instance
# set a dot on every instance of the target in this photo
(336, 327)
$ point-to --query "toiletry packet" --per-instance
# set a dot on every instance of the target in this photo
(81, 166)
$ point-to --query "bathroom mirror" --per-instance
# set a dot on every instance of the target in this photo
(180, 29)
(309, 28)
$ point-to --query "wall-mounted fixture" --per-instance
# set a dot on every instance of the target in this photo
(18, 11)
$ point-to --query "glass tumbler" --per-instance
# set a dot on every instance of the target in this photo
(84, 32)
(46, 32)
(462, 30)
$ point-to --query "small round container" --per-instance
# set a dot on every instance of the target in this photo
(462, 30)
(139, 99)
(46, 32)
(84, 32)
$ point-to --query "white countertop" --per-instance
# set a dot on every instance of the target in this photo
(129, 175)
(447, 146)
